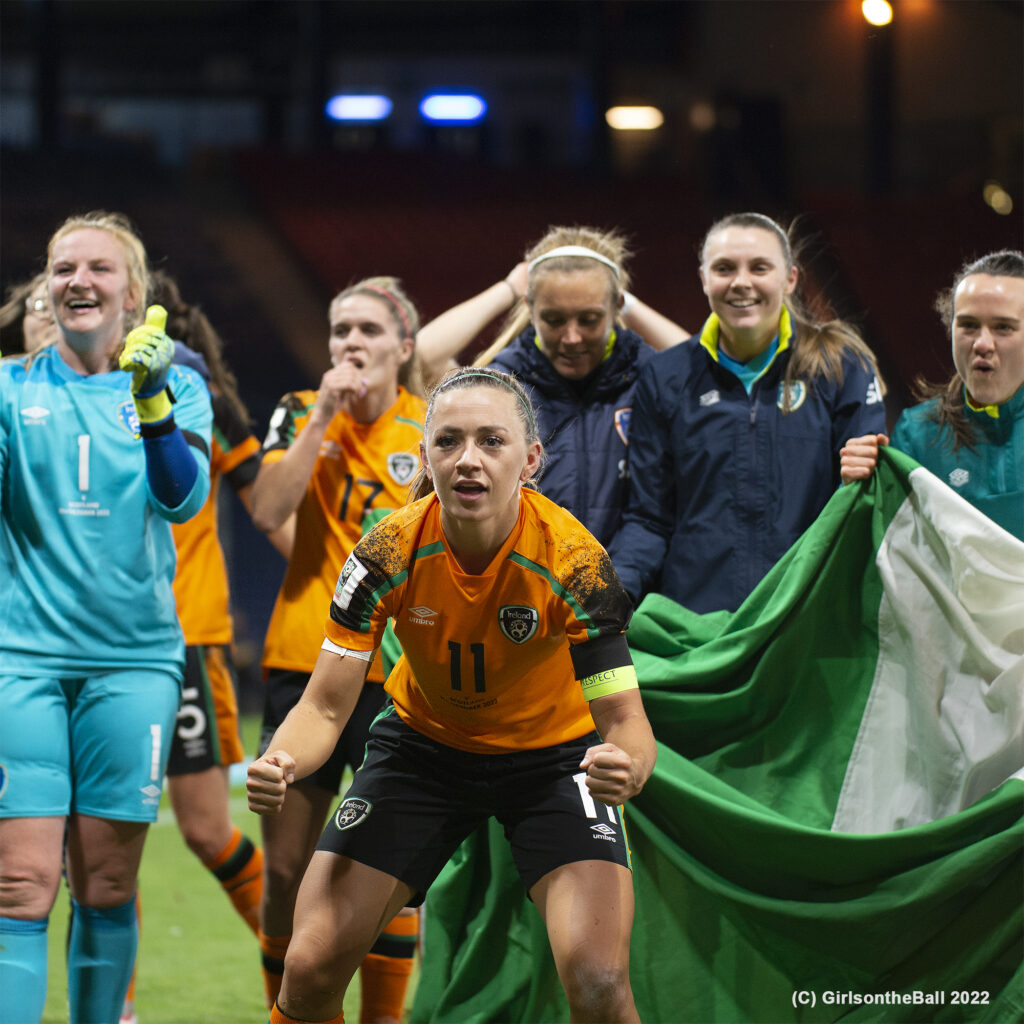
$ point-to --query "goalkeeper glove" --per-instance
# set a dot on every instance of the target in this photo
(147, 356)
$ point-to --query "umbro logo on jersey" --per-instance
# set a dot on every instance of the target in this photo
(35, 414)
(603, 831)
(402, 466)
(710, 398)
(423, 615)
(959, 477)
(352, 812)
(330, 450)
(518, 622)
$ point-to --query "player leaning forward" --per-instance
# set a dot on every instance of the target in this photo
(511, 618)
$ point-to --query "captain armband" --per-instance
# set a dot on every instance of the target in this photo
(345, 652)
(612, 680)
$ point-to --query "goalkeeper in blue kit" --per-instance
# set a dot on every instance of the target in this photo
(103, 444)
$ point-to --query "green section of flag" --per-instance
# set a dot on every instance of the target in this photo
(756, 900)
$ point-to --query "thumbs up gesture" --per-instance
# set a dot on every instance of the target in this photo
(148, 354)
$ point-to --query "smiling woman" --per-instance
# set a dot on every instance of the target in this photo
(95, 465)
(511, 619)
(735, 435)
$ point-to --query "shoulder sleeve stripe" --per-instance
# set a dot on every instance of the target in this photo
(559, 591)
(361, 587)
(244, 473)
(197, 442)
(437, 548)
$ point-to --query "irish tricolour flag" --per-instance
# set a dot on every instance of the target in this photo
(835, 827)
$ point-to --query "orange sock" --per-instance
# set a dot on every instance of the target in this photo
(278, 1016)
(273, 948)
(239, 869)
(385, 970)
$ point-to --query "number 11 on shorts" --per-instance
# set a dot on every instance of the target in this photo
(589, 803)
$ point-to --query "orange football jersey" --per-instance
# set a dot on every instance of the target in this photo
(361, 467)
(201, 578)
(487, 664)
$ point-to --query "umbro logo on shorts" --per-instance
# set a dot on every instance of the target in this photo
(352, 812)
(603, 831)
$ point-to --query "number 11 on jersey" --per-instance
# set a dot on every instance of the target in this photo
(455, 663)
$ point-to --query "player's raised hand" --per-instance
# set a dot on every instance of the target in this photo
(267, 781)
(338, 387)
(148, 354)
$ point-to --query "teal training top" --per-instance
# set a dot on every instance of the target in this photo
(991, 475)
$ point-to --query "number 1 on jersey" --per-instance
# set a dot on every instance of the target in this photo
(83, 462)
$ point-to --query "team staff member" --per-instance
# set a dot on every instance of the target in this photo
(332, 457)
(511, 620)
(735, 434)
(95, 463)
(970, 431)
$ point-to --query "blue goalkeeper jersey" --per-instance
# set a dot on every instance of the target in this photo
(86, 553)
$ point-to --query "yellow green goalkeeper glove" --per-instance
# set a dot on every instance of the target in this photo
(147, 356)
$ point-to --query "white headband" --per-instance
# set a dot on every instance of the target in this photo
(576, 250)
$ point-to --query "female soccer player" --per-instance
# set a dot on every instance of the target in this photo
(565, 340)
(95, 464)
(735, 434)
(335, 458)
(511, 620)
(970, 431)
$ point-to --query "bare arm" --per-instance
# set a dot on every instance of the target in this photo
(305, 739)
(282, 538)
(859, 456)
(657, 330)
(280, 486)
(618, 768)
(448, 334)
